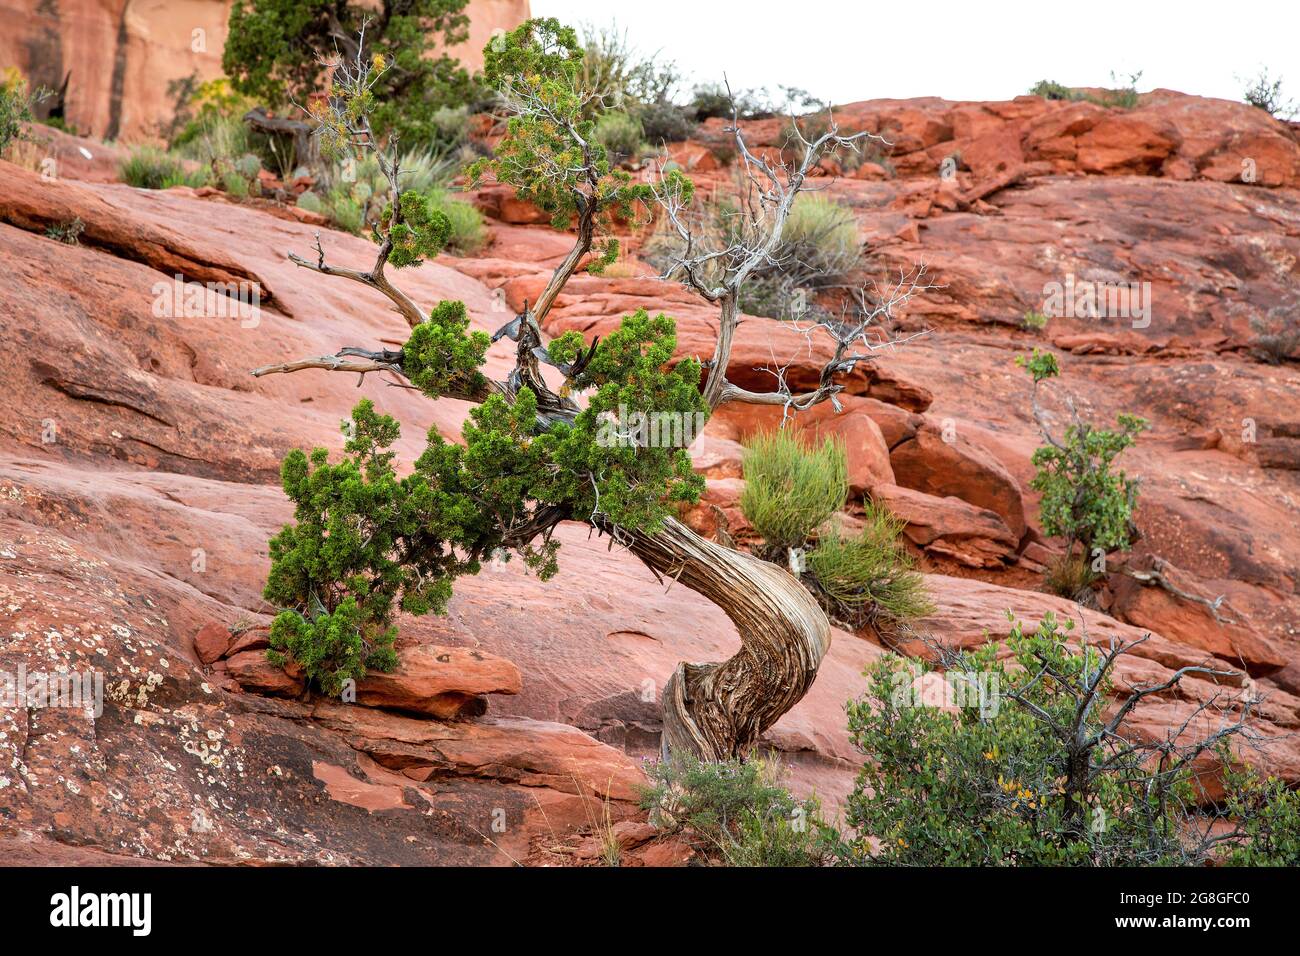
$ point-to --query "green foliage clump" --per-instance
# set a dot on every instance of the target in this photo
(278, 50)
(364, 542)
(618, 75)
(66, 232)
(1123, 97)
(419, 231)
(1035, 320)
(630, 374)
(1270, 815)
(664, 122)
(550, 154)
(1041, 365)
(1034, 772)
(869, 576)
(1082, 499)
(443, 355)
(791, 489)
(1051, 90)
(16, 103)
(149, 167)
(1265, 93)
(738, 813)
(619, 133)
(711, 100)
(819, 250)
(468, 231)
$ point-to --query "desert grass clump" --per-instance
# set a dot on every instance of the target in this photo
(869, 576)
(737, 812)
(819, 250)
(1277, 334)
(149, 167)
(468, 231)
(620, 134)
(791, 487)
(1071, 576)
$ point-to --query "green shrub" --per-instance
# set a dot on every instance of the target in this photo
(1277, 333)
(869, 576)
(1039, 772)
(1082, 499)
(1051, 90)
(791, 488)
(712, 100)
(1122, 97)
(1071, 576)
(737, 812)
(664, 122)
(469, 232)
(819, 250)
(277, 51)
(1265, 93)
(149, 167)
(1035, 320)
(66, 232)
(16, 103)
(620, 76)
(1270, 815)
(620, 134)
(353, 194)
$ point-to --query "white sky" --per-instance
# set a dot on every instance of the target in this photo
(847, 51)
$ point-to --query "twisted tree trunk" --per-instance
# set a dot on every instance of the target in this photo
(718, 711)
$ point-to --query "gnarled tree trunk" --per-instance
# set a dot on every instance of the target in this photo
(718, 711)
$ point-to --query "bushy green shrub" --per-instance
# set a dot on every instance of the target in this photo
(469, 232)
(791, 489)
(149, 167)
(1034, 772)
(1123, 97)
(276, 51)
(620, 134)
(621, 77)
(1270, 815)
(868, 576)
(712, 100)
(353, 193)
(664, 122)
(1265, 93)
(1083, 500)
(819, 250)
(16, 103)
(737, 812)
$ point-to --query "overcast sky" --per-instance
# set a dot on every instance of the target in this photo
(846, 51)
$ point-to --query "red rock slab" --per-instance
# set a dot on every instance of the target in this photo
(444, 682)
(949, 526)
(940, 460)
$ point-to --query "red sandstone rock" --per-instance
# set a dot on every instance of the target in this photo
(210, 642)
(949, 526)
(942, 461)
(446, 682)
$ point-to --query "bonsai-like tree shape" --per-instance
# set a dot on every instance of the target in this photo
(366, 542)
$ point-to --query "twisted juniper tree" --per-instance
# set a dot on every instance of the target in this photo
(367, 543)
